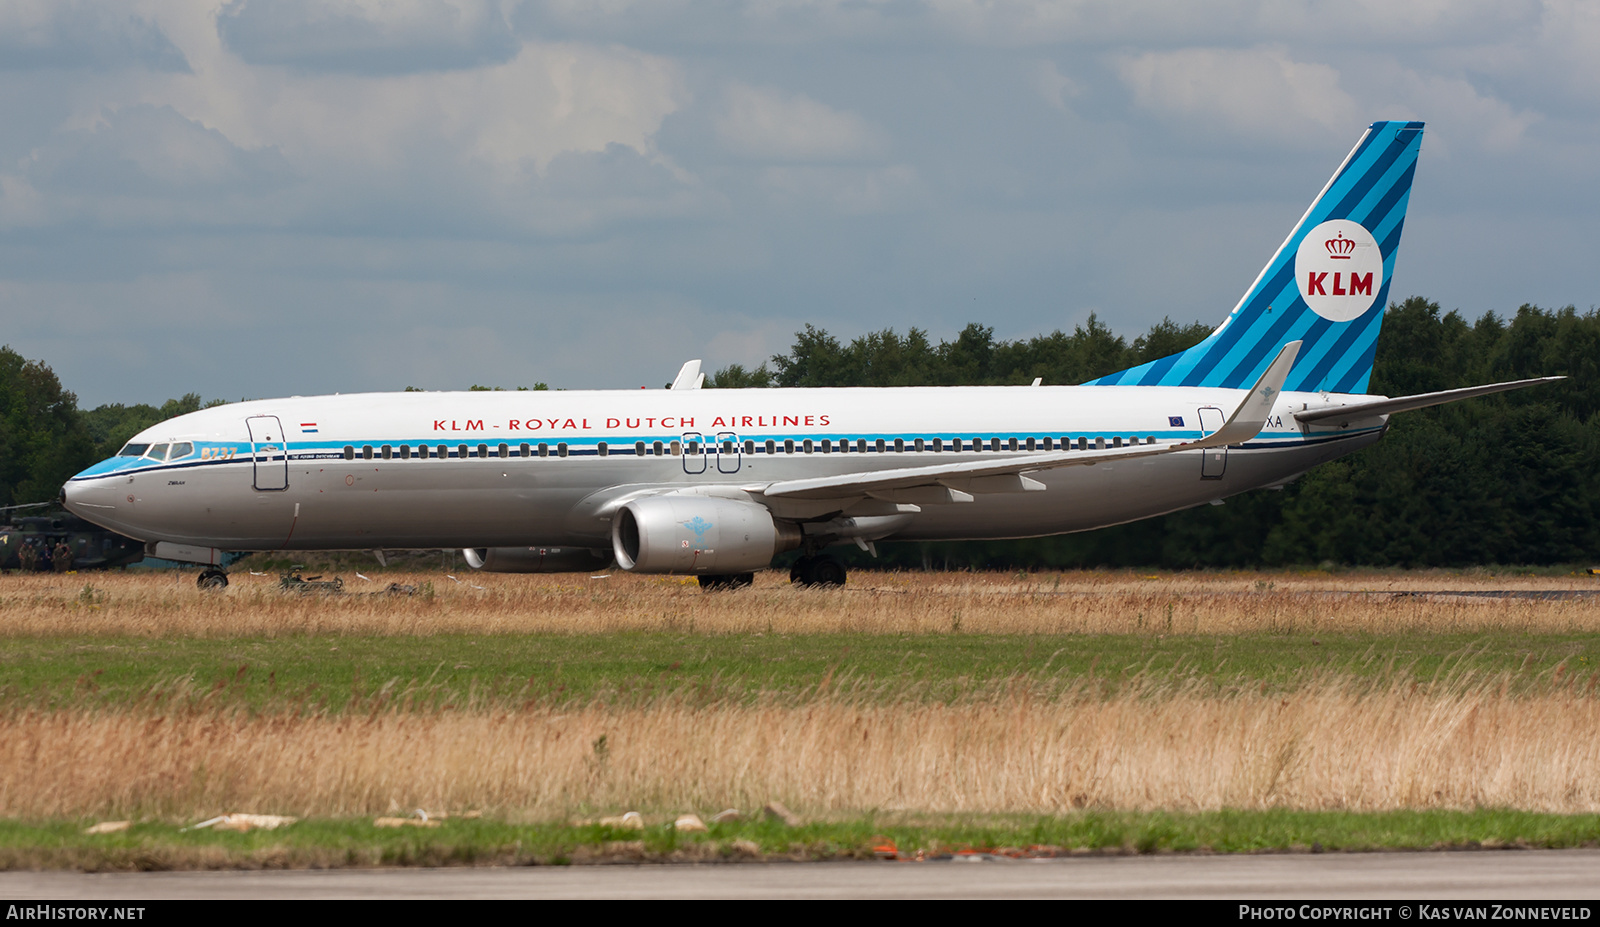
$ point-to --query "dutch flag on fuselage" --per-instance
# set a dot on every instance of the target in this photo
(1326, 287)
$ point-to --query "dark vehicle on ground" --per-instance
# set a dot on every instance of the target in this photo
(33, 543)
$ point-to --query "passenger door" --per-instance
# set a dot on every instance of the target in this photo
(694, 452)
(1215, 461)
(269, 451)
(728, 454)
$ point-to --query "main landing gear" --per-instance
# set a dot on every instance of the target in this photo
(817, 571)
(212, 578)
(727, 581)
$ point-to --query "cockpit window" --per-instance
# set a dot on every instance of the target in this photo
(180, 450)
(133, 450)
(157, 452)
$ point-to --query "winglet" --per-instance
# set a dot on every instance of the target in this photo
(689, 377)
(1247, 420)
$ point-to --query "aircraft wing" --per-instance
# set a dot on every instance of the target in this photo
(1006, 475)
(1375, 407)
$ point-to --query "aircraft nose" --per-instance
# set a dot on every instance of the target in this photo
(88, 498)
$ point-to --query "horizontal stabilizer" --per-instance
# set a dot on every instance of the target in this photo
(1375, 407)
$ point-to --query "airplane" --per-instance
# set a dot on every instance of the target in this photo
(716, 483)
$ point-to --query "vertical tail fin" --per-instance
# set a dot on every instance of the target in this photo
(1326, 287)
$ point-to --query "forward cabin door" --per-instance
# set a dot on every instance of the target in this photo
(270, 452)
(1215, 461)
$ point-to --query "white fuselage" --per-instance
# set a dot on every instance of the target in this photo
(537, 468)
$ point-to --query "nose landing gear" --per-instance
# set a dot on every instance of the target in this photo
(212, 579)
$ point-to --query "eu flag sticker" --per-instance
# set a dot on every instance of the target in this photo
(1176, 421)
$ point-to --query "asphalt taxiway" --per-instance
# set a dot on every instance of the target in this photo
(1498, 874)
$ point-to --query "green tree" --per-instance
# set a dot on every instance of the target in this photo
(43, 439)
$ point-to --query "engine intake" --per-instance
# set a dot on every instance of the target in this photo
(697, 534)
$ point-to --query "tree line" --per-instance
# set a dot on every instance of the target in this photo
(1504, 479)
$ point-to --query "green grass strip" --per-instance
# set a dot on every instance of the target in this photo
(330, 671)
(469, 842)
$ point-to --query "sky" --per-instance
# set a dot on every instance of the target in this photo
(250, 199)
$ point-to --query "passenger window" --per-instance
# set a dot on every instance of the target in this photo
(899, 445)
(505, 451)
(638, 448)
(1150, 439)
(405, 452)
(561, 449)
(180, 451)
(918, 445)
(388, 452)
(1099, 444)
(807, 445)
(1031, 446)
(483, 451)
(1011, 445)
(349, 452)
(1049, 445)
(827, 446)
(658, 448)
(461, 451)
(1083, 444)
(861, 445)
(157, 452)
(677, 448)
(544, 449)
(772, 446)
(524, 450)
(602, 449)
(1117, 441)
(366, 452)
(878, 445)
(133, 450)
(749, 447)
(994, 444)
(788, 446)
(844, 446)
(938, 445)
(727, 447)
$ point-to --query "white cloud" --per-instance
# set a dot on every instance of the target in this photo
(1261, 92)
(770, 125)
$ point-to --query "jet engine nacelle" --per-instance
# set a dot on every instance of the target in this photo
(697, 534)
(536, 559)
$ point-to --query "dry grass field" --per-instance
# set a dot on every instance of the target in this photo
(168, 604)
(1326, 746)
(1461, 740)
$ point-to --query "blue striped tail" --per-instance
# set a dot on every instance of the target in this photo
(1326, 286)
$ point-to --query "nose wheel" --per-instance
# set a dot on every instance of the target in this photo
(817, 571)
(212, 579)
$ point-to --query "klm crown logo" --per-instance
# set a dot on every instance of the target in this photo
(699, 526)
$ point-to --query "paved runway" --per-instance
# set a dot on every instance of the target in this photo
(1520, 874)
